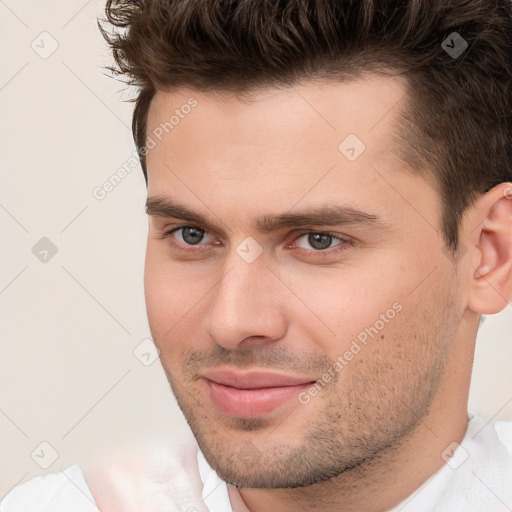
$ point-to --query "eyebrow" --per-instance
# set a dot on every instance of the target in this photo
(323, 215)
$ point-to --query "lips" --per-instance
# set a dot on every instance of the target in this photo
(252, 394)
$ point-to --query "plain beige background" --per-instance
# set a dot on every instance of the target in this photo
(74, 366)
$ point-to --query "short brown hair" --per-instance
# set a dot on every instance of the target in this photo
(457, 124)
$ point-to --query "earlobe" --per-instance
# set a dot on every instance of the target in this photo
(490, 289)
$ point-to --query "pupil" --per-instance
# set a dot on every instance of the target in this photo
(192, 235)
(316, 241)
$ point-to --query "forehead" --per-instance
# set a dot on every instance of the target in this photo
(366, 106)
(305, 122)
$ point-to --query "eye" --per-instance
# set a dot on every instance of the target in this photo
(186, 236)
(195, 239)
(319, 241)
(191, 235)
(321, 245)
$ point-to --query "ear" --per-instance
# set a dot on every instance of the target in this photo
(490, 287)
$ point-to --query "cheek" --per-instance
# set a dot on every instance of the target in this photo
(340, 306)
(175, 296)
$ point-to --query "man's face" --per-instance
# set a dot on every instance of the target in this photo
(249, 315)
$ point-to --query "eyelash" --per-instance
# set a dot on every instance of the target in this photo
(345, 242)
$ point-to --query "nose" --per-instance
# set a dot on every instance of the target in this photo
(247, 307)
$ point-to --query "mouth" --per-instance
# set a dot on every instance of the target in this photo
(252, 394)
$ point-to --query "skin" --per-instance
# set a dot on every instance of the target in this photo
(295, 309)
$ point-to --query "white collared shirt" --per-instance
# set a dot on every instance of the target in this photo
(476, 478)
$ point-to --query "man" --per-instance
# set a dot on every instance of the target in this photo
(330, 214)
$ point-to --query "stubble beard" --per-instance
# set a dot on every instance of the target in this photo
(343, 436)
